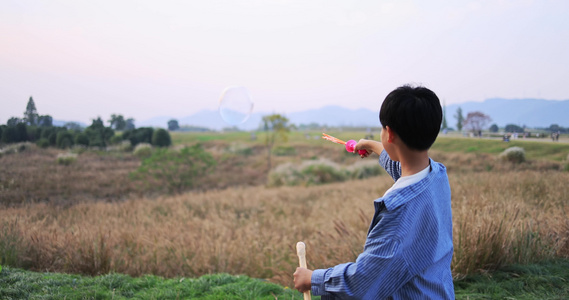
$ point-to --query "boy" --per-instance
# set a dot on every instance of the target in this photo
(408, 249)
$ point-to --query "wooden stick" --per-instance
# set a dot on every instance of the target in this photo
(301, 252)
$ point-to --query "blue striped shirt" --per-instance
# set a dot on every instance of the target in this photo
(408, 250)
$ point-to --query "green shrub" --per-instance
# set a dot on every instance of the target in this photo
(161, 138)
(125, 146)
(321, 171)
(310, 172)
(82, 139)
(239, 149)
(514, 154)
(78, 149)
(285, 174)
(64, 139)
(16, 148)
(176, 170)
(52, 138)
(143, 150)
(122, 146)
(138, 135)
(365, 169)
(43, 143)
(284, 151)
(115, 139)
(66, 158)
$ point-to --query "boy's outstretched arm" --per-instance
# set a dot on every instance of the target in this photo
(370, 146)
(302, 279)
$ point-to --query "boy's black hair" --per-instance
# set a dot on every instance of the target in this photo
(414, 113)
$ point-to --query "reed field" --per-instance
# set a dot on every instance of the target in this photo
(234, 222)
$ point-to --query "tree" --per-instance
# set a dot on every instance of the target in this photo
(98, 134)
(9, 135)
(34, 133)
(49, 134)
(173, 125)
(129, 124)
(31, 114)
(161, 138)
(493, 128)
(117, 122)
(82, 139)
(13, 121)
(459, 119)
(276, 127)
(556, 128)
(22, 131)
(45, 121)
(97, 124)
(139, 135)
(73, 126)
(64, 139)
(513, 128)
(476, 121)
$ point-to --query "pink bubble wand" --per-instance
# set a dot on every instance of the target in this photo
(350, 145)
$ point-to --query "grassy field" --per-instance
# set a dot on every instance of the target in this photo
(89, 218)
(20, 284)
(545, 280)
(535, 149)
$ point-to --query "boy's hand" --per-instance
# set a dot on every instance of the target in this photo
(302, 279)
(369, 146)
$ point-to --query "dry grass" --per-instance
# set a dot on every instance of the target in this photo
(515, 217)
(503, 213)
(35, 176)
(498, 218)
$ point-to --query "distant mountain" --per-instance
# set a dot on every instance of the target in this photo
(161, 121)
(528, 112)
(336, 116)
(329, 115)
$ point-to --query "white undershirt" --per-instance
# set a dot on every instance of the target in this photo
(405, 181)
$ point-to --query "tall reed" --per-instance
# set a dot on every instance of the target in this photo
(498, 219)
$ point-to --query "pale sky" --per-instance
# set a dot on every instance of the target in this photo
(143, 59)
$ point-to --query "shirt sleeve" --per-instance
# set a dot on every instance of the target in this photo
(393, 168)
(377, 273)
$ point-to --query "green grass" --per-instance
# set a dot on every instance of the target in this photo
(534, 149)
(21, 284)
(310, 137)
(546, 280)
(199, 137)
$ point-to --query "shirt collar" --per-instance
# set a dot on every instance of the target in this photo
(399, 197)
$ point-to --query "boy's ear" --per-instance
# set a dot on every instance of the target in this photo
(391, 135)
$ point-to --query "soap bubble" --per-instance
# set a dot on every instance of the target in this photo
(235, 105)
